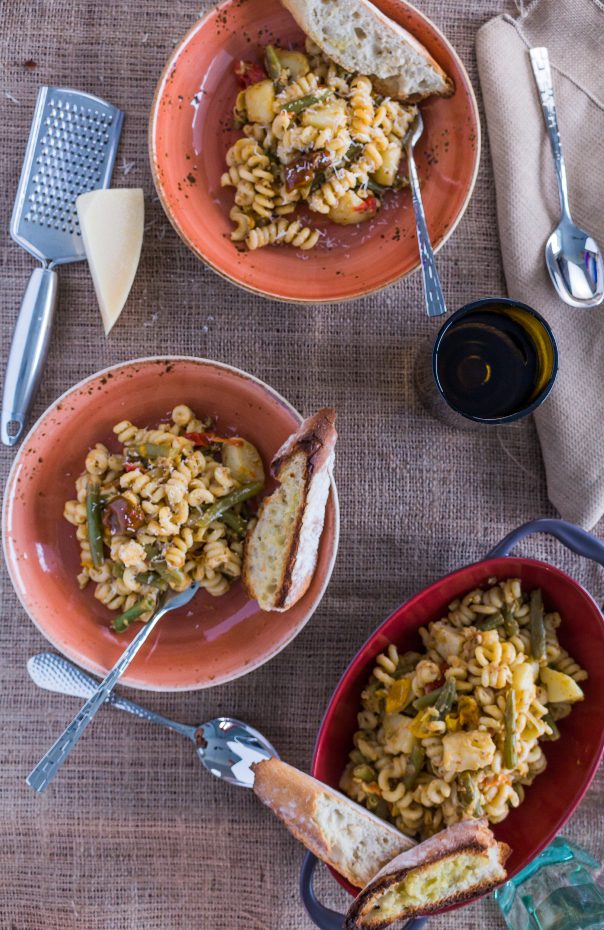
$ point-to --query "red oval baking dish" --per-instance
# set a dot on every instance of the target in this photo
(572, 760)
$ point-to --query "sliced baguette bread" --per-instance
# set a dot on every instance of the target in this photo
(462, 861)
(281, 549)
(341, 833)
(359, 37)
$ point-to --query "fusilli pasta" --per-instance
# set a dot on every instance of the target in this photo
(313, 134)
(456, 732)
(164, 512)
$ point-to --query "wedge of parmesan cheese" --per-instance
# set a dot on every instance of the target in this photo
(112, 223)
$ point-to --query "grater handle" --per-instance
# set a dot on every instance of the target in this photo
(28, 352)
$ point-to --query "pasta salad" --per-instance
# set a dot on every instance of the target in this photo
(314, 135)
(171, 508)
(456, 732)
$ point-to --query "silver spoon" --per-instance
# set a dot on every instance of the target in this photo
(572, 256)
(40, 777)
(433, 293)
(226, 747)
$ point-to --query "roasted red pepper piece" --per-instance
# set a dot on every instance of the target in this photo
(249, 73)
(369, 205)
(206, 439)
(120, 516)
(302, 171)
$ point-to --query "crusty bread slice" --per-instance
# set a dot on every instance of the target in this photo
(281, 549)
(359, 37)
(462, 861)
(341, 833)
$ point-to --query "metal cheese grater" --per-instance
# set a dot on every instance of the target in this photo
(72, 146)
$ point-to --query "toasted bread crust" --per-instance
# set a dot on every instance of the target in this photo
(471, 837)
(387, 83)
(293, 796)
(315, 440)
(315, 437)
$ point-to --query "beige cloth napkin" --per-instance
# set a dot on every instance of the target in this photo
(571, 421)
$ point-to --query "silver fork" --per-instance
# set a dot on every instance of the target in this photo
(40, 778)
(433, 292)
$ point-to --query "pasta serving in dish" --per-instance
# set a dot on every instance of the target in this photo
(314, 136)
(456, 732)
(170, 509)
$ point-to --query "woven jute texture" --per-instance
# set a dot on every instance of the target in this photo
(133, 835)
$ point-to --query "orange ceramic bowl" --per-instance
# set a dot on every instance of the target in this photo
(191, 130)
(212, 640)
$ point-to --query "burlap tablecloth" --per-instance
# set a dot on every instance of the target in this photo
(133, 835)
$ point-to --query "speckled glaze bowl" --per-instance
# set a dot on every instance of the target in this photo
(212, 640)
(191, 130)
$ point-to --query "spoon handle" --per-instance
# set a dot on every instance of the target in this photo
(543, 79)
(54, 673)
(435, 300)
(51, 762)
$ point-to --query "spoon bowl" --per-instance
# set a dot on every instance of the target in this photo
(575, 265)
(225, 747)
(228, 748)
(572, 256)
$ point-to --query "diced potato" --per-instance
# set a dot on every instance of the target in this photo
(243, 460)
(560, 687)
(523, 677)
(295, 62)
(467, 751)
(386, 173)
(397, 734)
(448, 641)
(329, 115)
(259, 102)
(353, 209)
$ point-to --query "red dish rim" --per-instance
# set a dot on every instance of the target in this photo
(492, 566)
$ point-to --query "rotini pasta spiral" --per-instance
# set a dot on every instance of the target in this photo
(313, 134)
(432, 746)
(154, 499)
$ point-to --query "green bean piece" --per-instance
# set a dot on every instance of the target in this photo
(445, 699)
(537, 626)
(364, 773)
(124, 620)
(426, 700)
(377, 806)
(151, 450)
(234, 521)
(303, 103)
(149, 578)
(354, 151)
(510, 751)
(467, 792)
(547, 718)
(414, 766)
(490, 622)
(510, 624)
(376, 188)
(93, 521)
(357, 757)
(273, 65)
(217, 509)
(174, 576)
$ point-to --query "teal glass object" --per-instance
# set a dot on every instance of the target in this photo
(559, 890)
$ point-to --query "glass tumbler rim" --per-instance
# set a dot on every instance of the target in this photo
(492, 302)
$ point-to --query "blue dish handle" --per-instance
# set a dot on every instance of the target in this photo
(573, 537)
(323, 917)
